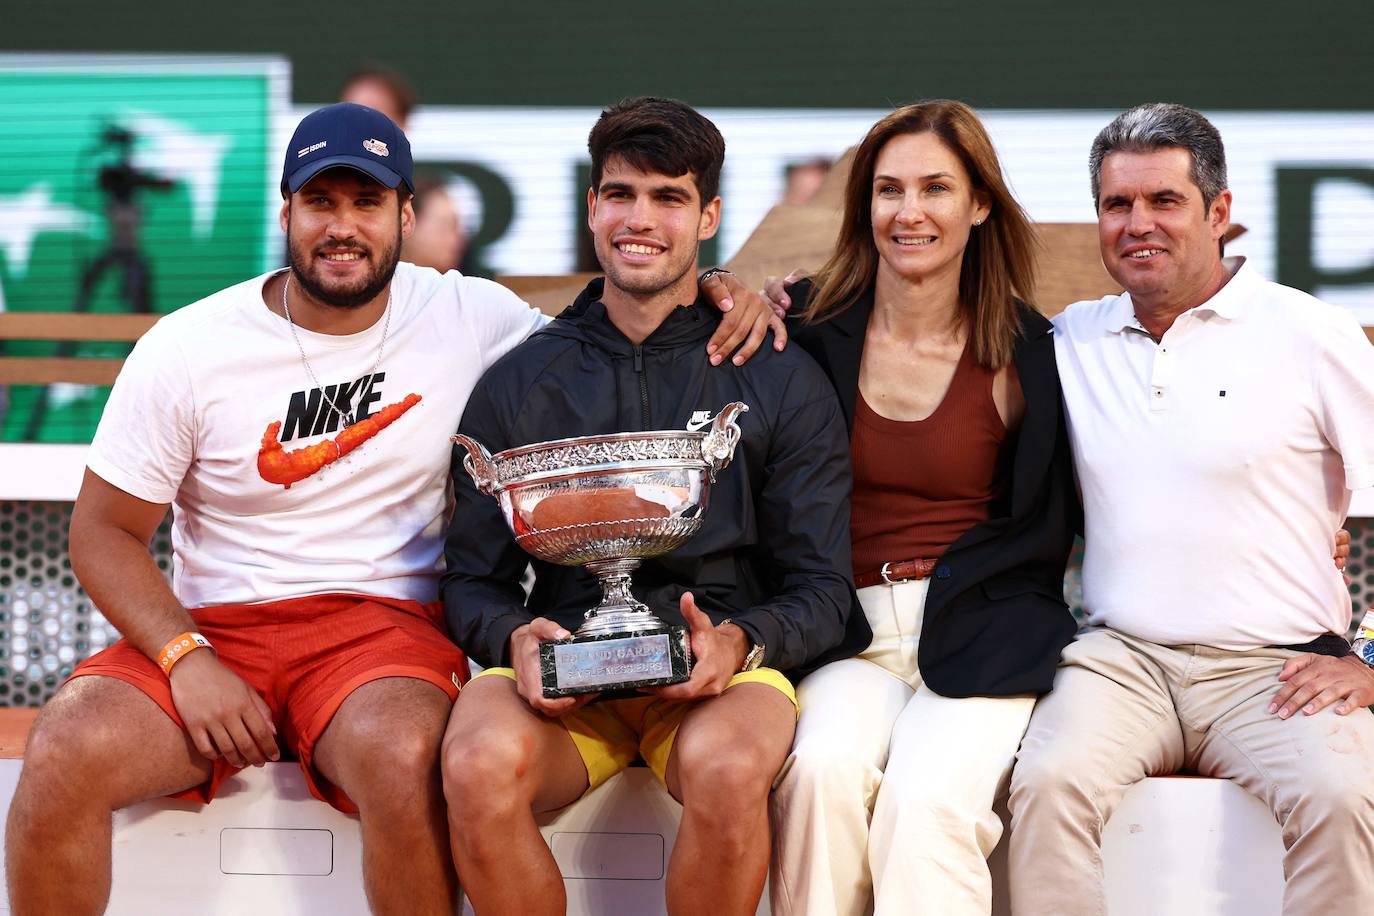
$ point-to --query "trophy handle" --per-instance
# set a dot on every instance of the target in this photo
(477, 462)
(718, 448)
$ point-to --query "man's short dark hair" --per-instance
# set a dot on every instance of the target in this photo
(659, 135)
(1163, 125)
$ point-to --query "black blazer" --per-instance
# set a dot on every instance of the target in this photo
(995, 620)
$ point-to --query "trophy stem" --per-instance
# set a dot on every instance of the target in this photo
(619, 610)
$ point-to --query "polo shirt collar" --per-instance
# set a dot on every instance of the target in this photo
(1228, 302)
(1122, 315)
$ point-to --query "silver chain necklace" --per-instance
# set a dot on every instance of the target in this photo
(346, 417)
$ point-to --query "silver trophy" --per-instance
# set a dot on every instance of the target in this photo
(606, 503)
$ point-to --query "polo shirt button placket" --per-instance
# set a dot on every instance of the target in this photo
(1161, 372)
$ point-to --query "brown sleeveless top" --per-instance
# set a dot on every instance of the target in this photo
(919, 485)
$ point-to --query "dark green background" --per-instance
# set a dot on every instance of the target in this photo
(1067, 54)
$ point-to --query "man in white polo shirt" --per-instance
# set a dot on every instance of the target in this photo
(1218, 424)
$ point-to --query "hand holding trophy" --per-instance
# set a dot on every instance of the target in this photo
(607, 502)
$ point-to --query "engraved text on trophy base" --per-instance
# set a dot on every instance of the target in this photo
(614, 662)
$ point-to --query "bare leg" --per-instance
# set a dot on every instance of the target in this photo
(99, 745)
(382, 748)
(502, 763)
(724, 760)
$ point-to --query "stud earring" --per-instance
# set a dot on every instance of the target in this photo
(978, 222)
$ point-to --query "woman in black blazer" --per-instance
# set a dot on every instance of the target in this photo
(900, 751)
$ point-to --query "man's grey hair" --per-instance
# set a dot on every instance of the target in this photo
(1162, 125)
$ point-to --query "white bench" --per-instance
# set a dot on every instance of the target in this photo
(1185, 847)
(267, 848)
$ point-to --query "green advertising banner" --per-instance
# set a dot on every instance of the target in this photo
(129, 184)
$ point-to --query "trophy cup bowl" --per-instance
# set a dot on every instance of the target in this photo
(607, 502)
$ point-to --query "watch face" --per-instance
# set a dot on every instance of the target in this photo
(1366, 652)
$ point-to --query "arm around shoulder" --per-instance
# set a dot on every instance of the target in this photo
(500, 318)
(1344, 366)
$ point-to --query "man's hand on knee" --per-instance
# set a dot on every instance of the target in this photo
(1314, 682)
(524, 658)
(223, 715)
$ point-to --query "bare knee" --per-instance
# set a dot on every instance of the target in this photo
(57, 750)
(59, 772)
(729, 775)
(487, 771)
(388, 764)
(69, 756)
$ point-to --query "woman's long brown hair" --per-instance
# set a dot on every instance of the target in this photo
(998, 263)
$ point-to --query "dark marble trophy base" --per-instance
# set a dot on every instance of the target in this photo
(615, 662)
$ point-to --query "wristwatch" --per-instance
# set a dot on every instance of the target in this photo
(754, 658)
(1363, 649)
(1362, 646)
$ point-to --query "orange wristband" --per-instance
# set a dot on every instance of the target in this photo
(180, 646)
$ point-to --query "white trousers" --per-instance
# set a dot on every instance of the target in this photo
(885, 803)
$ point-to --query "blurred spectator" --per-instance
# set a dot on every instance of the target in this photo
(385, 90)
(803, 180)
(439, 240)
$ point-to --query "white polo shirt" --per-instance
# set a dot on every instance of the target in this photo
(1216, 465)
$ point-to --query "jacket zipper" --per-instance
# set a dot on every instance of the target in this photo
(643, 388)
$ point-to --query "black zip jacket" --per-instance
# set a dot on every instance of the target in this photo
(995, 621)
(773, 551)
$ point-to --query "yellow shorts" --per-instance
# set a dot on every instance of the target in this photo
(609, 735)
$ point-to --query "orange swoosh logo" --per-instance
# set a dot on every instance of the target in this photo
(276, 465)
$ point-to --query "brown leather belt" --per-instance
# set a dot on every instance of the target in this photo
(900, 571)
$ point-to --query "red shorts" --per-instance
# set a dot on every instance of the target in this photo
(304, 656)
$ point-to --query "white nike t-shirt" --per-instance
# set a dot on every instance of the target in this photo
(188, 415)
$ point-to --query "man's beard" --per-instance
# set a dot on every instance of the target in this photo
(369, 289)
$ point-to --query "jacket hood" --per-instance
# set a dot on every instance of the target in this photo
(586, 321)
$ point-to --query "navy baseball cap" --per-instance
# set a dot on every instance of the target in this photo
(349, 135)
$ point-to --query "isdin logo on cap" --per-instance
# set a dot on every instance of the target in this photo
(376, 147)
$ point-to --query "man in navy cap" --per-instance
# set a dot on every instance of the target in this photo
(298, 425)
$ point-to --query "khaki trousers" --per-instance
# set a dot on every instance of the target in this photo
(885, 803)
(1123, 709)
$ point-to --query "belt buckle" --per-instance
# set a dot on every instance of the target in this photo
(882, 571)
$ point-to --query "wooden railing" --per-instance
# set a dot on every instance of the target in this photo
(550, 294)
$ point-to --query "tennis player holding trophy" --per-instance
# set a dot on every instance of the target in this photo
(756, 579)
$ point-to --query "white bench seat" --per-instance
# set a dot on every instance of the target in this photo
(1181, 846)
